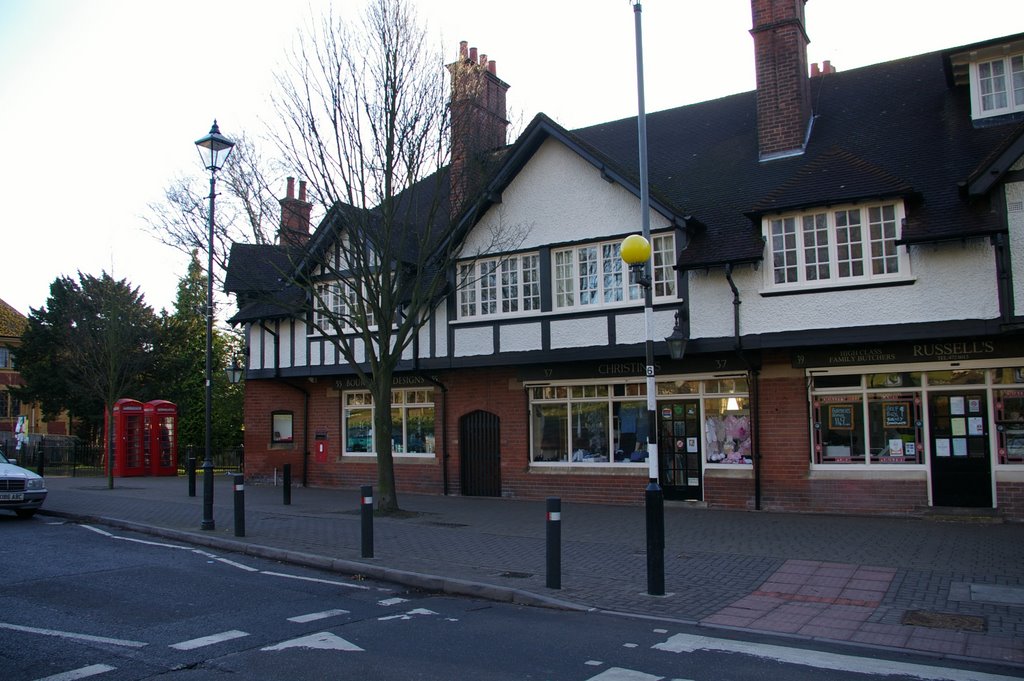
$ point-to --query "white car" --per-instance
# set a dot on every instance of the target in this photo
(21, 490)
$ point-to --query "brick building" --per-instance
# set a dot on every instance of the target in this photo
(844, 252)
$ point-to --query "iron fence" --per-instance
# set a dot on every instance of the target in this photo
(70, 457)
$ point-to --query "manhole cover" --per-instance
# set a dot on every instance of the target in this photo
(943, 620)
(516, 575)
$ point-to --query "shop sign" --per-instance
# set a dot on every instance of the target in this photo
(895, 353)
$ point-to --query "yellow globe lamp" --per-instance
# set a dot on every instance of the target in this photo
(635, 250)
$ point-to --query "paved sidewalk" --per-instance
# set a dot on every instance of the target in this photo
(952, 588)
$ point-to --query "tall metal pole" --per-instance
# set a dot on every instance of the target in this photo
(653, 499)
(208, 523)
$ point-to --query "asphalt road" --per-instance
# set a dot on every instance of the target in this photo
(80, 602)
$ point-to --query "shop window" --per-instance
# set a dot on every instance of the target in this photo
(839, 429)
(550, 424)
(894, 427)
(281, 427)
(412, 423)
(727, 430)
(1010, 425)
(957, 377)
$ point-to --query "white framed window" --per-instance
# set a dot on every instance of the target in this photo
(333, 303)
(592, 275)
(412, 423)
(997, 86)
(500, 286)
(845, 245)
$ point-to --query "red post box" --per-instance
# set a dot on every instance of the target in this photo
(129, 441)
(162, 437)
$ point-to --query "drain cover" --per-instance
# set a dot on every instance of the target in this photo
(516, 575)
(943, 620)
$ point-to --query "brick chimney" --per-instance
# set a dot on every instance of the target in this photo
(479, 121)
(783, 87)
(294, 216)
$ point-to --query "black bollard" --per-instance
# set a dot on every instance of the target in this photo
(239, 485)
(554, 534)
(287, 484)
(655, 503)
(190, 467)
(366, 516)
(41, 468)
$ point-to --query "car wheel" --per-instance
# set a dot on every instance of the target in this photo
(25, 513)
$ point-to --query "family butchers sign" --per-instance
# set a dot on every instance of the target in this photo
(897, 353)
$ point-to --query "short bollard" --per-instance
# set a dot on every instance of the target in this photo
(554, 534)
(191, 467)
(366, 516)
(287, 484)
(239, 485)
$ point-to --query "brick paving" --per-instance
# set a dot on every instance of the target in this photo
(837, 578)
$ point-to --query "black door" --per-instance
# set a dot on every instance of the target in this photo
(480, 450)
(961, 466)
(679, 449)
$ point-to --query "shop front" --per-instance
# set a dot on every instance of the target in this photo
(593, 420)
(950, 414)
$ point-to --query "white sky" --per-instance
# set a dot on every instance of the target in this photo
(101, 100)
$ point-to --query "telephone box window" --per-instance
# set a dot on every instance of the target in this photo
(281, 427)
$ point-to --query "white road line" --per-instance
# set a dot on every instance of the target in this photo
(313, 616)
(323, 640)
(407, 615)
(97, 530)
(314, 579)
(685, 643)
(146, 542)
(209, 640)
(83, 673)
(74, 636)
(237, 565)
(620, 674)
(391, 601)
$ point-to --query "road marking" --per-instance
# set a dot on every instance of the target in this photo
(209, 640)
(313, 616)
(620, 674)
(685, 643)
(238, 565)
(314, 579)
(74, 636)
(83, 673)
(391, 601)
(407, 615)
(97, 530)
(323, 640)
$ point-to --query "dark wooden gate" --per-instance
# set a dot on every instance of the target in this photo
(480, 447)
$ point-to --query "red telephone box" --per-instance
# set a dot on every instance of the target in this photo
(129, 441)
(162, 437)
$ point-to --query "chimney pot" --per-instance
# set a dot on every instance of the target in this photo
(472, 54)
(815, 71)
(290, 193)
(492, 66)
(302, 190)
(463, 49)
(826, 67)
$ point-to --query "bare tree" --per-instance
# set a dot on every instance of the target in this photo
(366, 113)
(247, 212)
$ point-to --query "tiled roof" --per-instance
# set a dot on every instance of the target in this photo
(12, 322)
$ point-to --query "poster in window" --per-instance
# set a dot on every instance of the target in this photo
(897, 414)
(956, 405)
(959, 446)
(975, 425)
(840, 417)
(942, 446)
(958, 427)
(974, 405)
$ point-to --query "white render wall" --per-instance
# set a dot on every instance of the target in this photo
(557, 198)
(952, 281)
(1015, 220)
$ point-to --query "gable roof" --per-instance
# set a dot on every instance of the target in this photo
(895, 130)
(12, 322)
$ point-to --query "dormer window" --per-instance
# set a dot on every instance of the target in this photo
(998, 86)
(848, 245)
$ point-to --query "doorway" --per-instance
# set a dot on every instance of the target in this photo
(679, 449)
(480, 454)
(960, 457)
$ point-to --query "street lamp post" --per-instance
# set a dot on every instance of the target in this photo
(636, 252)
(214, 150)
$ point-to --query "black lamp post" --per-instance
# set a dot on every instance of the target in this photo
(214, 150)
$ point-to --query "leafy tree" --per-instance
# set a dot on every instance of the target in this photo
(179, 371)
(90, 346)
